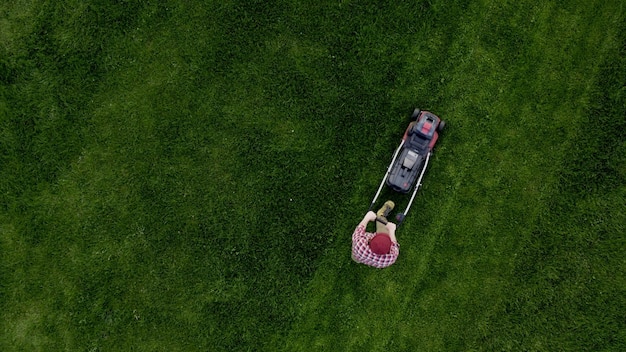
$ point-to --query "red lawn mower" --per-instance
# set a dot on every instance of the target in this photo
(410, 160)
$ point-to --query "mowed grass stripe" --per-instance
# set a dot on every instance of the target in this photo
(542, 186)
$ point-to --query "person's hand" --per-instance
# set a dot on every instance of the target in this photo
(391, 226)
(370, 216)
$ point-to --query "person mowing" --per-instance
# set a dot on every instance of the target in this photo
(379, 249)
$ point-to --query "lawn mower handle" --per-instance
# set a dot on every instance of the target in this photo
(381, 220)
(395, 155)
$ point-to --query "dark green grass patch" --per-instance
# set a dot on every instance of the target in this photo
(185, 176)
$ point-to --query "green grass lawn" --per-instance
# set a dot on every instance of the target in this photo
(186, 175)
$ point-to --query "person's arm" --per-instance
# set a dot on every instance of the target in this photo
(392, 231)
(369, 217)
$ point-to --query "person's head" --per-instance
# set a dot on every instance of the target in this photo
(381, 243)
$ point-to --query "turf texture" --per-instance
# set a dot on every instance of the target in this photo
(186, 175)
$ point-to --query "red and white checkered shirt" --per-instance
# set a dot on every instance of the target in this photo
(362, 253)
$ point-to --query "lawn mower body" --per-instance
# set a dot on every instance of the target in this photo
(419, 139)
(411, 158)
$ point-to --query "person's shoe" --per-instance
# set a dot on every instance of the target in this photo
(385, 209)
